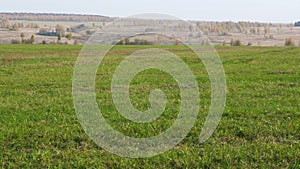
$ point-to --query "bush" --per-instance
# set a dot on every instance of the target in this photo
(235, 43)
(32, 38)
(28, 41)
(15, 41)
(135, 42)
(177, 43)
(89, 32)
(69, 36)
(289, 42)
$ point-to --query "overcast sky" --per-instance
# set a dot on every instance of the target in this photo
(281, 11)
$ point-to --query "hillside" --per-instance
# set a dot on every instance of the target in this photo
(226, 33)
(55, 17)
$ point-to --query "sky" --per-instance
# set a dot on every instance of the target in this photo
(278, 11)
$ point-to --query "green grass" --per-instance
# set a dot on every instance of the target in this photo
(259, 128)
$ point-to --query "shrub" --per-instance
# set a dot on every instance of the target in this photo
(32, 38)
(27, 41)
(289, 42)
(235, 42)
(15, 41)
(59, 37)
(22, 37)
(89, 32)
(177, 43)
(140, 42)
(238, 43)
(126, 41)
(69, 36)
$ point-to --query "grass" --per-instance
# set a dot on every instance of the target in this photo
(259, 128)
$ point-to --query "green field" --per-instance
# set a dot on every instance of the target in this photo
(260, 127)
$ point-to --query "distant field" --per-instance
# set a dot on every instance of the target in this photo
(83, 26)
(259, 128)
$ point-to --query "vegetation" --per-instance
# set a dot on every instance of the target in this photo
(259, 128)
(89, 32)
(23, 41)
(59, 37)
(32, 38)
(60, 30)
(127, 41)
(55, 17)
(15, 41)
(235, 42)
(22, 37)
(46, 32)
(69, 36)
(289, 42)
(5, 23)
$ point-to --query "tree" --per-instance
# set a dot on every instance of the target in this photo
(258, 31)
(69, 36)
(22, 37)
(177, 42)
(60, 29)
(232, 42)
(289, 42)
(32, 38)
(89, 32)
(235, 42)
(238, 43)
(252, 31)
(15, 27)
(59, 37)
(5, 23)
(267, 30)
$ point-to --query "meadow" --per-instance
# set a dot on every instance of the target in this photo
(259, 128)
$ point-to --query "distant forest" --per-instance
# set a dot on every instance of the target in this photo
(55, 17)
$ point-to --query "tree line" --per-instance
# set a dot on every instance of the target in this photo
(55, 17)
